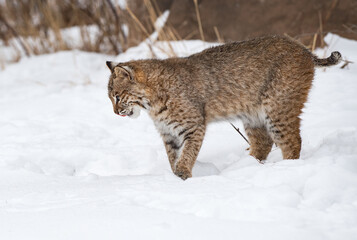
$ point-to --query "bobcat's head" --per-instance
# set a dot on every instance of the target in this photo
(125, 91)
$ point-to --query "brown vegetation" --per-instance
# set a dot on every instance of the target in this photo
(43, 20)
(36, 26)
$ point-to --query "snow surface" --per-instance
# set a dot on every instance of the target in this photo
(72, 169)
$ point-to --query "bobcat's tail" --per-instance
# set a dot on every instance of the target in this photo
(334, 59)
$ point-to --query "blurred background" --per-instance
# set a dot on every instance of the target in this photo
(32, 27)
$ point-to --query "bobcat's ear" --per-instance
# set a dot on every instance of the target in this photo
(125, 71)
(111, 65)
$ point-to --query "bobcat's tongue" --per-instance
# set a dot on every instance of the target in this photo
(122, 115)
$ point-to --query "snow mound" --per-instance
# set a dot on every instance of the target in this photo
(71, 169)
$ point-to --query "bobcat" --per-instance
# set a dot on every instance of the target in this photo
(263, 81)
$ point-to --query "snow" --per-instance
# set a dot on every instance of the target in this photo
(73, 37)
(71, 169)
(121, 3)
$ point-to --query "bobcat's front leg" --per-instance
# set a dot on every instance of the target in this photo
(191, 144)
(172, 146)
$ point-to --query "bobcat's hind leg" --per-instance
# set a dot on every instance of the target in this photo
(286, 134)
(260, 141)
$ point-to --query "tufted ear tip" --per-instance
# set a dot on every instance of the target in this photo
(111, 65)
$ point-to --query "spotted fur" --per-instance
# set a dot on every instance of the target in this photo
(264, 82)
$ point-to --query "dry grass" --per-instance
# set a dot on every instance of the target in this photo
(32, 27)
(199, 20)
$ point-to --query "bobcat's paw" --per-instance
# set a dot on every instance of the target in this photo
(183, 172)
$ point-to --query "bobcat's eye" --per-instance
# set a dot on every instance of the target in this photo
(117, 98)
